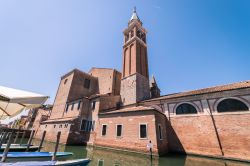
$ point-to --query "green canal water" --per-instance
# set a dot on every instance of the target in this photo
(104, 157)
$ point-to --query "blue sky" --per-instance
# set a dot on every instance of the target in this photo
(191, 43)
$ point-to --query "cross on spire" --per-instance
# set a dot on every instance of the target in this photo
(134, 9)
(134, 15)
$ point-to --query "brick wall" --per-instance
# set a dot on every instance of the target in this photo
(234, 134)
(107, 102)
(61, 96)
(71, 91)
(116, 82)
(193, 134)
(70, 132)
(109, 80)
(41, 115)
(134, 88)
(197, 134)
(162, 144)
(52, 129)
(78, 90)
(130, 131)
(220, 135)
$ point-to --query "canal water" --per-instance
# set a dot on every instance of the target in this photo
(104, 157)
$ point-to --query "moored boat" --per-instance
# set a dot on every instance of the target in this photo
(17, 145)
(35, 156)
(77, 162)
(19, 148)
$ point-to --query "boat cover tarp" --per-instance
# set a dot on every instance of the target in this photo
(13, 101)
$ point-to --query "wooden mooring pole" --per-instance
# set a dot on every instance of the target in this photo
(5, 137)
(30, 140)
(1, 132)
(6, 150)
(41, 143)
(17, 135)
(56, 147)
(21, 141)
(2, 138)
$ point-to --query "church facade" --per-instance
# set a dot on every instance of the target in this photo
(124, 110)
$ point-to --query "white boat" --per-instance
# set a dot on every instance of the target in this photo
(77, 162)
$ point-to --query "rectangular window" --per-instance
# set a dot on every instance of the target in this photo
(93, 105)
(160, 132)
(86, 83)
(119, 130)
(83, 125)
(79, 105)
(93, 125)
(104, 130)
(87, 125)
(67, 108)
(100, 162)
(143, 131)
(72, 106)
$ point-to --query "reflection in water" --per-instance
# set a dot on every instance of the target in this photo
(103, 157)
(108, 157)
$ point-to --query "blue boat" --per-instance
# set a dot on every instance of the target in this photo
(24, 156)
(19, 148)
(77, 162)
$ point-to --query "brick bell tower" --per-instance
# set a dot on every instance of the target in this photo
(135, 80)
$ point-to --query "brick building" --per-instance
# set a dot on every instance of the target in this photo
(125, 110)
(37, 115)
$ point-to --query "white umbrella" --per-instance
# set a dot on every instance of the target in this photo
(13, 101)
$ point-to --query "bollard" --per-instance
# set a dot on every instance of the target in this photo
(6, 150)
(56, 147)
(30, 140)
(41, 143)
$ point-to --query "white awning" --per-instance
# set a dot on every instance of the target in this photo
(13, 101)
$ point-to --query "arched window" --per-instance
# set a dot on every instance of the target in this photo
(231, 105)
(186, 109)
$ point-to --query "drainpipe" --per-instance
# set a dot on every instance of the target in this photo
(216, 130)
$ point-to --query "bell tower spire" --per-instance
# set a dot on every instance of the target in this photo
(135, 58)
(135, 79)
(134, 15)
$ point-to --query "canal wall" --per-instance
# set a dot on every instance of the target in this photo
(222, 135)
(69, 128)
